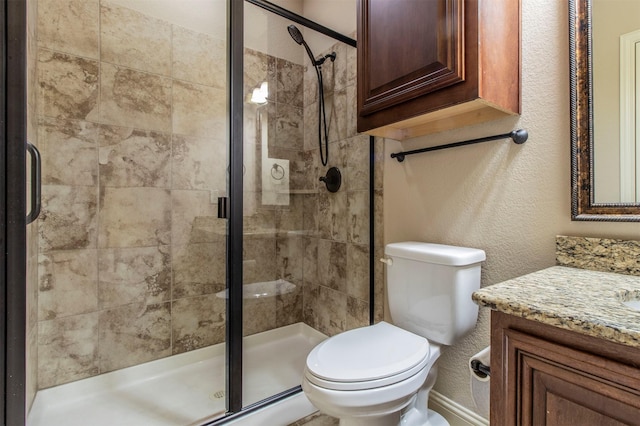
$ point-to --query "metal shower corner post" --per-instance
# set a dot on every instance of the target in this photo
(235, 10)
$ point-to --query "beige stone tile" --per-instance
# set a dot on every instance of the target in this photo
(378, 224)
(290, 257)
(351, 128)
(336, 113)
(310, 81)
(332, 311)
(67, 349)
(68, 283)
(358, 213)
(68, 85)
(357, 313)
(311, 295)
(357, 172)
(290, 83)
(289, 307)
(31, 358)
(290, 217)
(134, 275)
(69, 152)
(32, 284)
(310, 114)
(358, 271)
(131, 98)
(257, 71)
(197, 322)
(310, 213)
(310, 260)
(352, 65)
(194, 218)
(131, 157)
(378, 182)
(304, 171)
(332, 265)
(259, 259)
(70, 26)
(199, 58)
(68, 219)
(134, 334)
(332, 217)
(134, 217)
(260, 315)
(198, 269)
(135, 40)
(199, 163)
(32, 72)
(289, 123)
(340, 66)
(199, 111)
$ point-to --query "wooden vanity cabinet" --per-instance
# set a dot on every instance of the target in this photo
(544, 375)
(429, 66)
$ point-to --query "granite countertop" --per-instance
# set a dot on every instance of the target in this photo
(587, 302)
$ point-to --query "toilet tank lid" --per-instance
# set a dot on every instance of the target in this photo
(435, 253)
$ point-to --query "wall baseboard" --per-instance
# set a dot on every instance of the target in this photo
(456, 414)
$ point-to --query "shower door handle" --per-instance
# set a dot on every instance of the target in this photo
(36, 184)
(223, 208)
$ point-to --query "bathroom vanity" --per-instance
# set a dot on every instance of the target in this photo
(565, 348)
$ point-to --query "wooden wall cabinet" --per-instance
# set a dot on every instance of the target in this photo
(429, 66)
(545, 375)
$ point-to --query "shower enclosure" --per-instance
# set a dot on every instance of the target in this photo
(186, 257)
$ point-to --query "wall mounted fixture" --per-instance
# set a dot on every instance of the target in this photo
(332, 180)
(519, 137)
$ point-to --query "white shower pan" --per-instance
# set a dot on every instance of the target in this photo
(184, 389)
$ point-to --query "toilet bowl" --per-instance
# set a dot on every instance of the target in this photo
(379, 370)
(381, 375)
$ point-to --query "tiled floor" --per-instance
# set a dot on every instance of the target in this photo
(317, 419)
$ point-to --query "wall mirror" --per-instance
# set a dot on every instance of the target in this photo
(605, 109)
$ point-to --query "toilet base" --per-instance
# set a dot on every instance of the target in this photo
(433, 419)
(408, 419)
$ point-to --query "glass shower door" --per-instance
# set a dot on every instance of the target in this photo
(126, 306)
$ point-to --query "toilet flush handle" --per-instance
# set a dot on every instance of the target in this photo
(389, 262)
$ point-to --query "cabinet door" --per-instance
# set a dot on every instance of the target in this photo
(408, 48)
(556, 385)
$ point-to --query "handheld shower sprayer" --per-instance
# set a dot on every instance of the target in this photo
(296, 35)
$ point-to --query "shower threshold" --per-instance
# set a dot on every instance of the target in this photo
(179, 390)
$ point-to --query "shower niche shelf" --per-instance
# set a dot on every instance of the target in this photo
(262, 289)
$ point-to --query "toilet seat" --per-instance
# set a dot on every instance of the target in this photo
(367, 358)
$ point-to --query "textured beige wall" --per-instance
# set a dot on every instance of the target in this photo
(509, 200)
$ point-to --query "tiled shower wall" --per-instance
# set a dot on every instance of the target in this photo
(336, 252)
(131, 123)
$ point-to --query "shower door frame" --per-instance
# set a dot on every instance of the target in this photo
(13, 212)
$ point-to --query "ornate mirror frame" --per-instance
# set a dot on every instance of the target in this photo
(583, 206)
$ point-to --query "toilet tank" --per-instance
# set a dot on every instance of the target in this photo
(429, 289)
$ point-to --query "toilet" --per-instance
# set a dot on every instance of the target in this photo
(381, 375)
